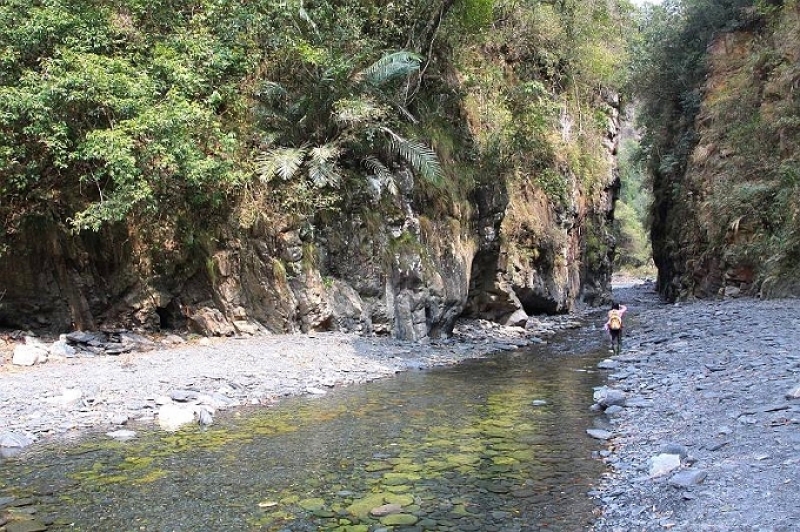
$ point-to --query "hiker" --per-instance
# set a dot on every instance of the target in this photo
(614, 326)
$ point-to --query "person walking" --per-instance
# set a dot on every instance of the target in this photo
(614, 326)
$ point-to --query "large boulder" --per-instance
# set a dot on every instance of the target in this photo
(29, 354)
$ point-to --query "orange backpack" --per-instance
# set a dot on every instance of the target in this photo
(614, 320)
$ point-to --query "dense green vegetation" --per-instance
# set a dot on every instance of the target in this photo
(632, 214)
(724, 153)
(113, 111)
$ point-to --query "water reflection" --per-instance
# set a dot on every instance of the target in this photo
(449, 450)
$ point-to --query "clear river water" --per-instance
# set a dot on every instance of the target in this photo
(497, 444)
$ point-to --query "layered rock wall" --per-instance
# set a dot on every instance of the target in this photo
(400, 267)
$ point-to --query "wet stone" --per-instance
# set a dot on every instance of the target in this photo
(600, 434)
(32, 525)
(399, 520)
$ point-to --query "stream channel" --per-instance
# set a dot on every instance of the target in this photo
(463, 448)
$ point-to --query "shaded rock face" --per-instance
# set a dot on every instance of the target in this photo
(724, 225)
(393, 267)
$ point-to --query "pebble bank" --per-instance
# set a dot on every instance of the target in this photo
(704, 434)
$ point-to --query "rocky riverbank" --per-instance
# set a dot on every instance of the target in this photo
(704, 418)
(175, 382)
(702, 408)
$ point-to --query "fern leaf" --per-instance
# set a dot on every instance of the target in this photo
(381, 178)
(390, 66)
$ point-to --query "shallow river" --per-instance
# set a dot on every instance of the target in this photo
(456, 449)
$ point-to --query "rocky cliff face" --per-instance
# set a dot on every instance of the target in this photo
(728, 224)
(401, 266)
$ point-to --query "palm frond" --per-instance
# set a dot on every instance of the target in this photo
(280, 162)
(322, 167)
(390, 66)
(421, 158)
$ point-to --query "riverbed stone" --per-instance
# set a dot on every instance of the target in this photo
(600, 434)
(399, 520)
(62, 349)
(68, 397)
(608, 363)
(172, 417)
(664, 463)
(606, 397)
(385, 509)
(312, 504)
(688, 478)
(26, 525)
(183, 396)
(122, 435)
(15, 440)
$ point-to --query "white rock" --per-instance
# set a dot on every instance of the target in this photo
(28, 355)
(119, 419)
(205, 415)
(171, 417)
(664, 463)
(122, 435)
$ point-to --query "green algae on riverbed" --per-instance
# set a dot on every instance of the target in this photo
(456, 448)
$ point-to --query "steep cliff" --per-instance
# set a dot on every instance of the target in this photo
(726, 217)
(518, 224)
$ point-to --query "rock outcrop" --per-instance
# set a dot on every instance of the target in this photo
(407, 264)
(726, 224)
